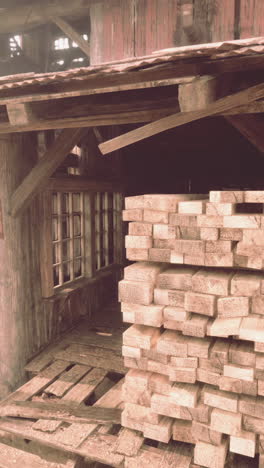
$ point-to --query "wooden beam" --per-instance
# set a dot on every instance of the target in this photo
(72, 34)
(37, 179)
(20, 114)
(198, 94)
(256, 107)
(101, 85)
(218, 107)
(79, 183)
(138, 111)
(61, 411)
(251, 127)
(24, 18)
(147, 78)
(28, 123)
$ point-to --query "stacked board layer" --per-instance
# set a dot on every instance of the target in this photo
(222, 229)
(195, 350)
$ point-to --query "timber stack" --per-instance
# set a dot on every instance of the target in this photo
(195, 299)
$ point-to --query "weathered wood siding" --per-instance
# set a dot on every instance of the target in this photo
(112, 31)
(20, 288)
(125, 28)
(63, 311)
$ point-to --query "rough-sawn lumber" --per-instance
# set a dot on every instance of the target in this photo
(61, 411)
(221, 105)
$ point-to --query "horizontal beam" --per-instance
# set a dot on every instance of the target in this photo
(148, 78)
(91, 86)
(134, 112)
(147, 112)
(23, 18)
(37, 179)
(61, 411)
(78, 183)
(218, 107)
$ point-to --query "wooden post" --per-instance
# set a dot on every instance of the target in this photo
(20, 288)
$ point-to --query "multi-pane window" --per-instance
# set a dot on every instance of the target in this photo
(67, 237)
(104, 222)
(85, 235)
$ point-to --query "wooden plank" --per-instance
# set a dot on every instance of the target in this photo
(36, 180)
(113, 398)
(92, 356)
(128, 442)
(176, 120)
(61, 411)
(72, 34)
(72, 439)
(252, 108)
(46, 357)
(11, 457)
(122, 82)
(80, 335)
(38, 383)
(122, 108)
(86, 386)
(251, 127)
(135, 116)
(67, 380)
(68, 440)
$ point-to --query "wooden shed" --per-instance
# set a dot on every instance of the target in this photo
(168, 99)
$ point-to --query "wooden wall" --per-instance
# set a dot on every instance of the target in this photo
(125, 28)
(62, 311)
(29, 322)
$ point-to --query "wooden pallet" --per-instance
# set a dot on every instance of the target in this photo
(68, 414)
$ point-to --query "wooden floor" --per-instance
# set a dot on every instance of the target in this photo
(68, 413)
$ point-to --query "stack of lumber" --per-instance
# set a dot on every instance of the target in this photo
(192, 301)
(195, 349)
(224, 229)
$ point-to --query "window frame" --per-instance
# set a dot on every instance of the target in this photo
(89, 190)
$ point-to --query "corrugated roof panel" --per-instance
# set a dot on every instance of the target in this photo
(251, 46)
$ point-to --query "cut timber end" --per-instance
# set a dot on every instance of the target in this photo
(20, 114)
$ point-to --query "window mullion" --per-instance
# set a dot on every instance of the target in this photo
(71, 263)
(106, 227)
(59, 207)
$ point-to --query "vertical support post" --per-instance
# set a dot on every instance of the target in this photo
(20, 283)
